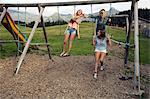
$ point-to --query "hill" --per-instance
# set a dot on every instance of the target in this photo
(20, 15)
(53, 18)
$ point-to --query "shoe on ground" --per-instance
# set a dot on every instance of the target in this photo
(95, 75)
(62, 53)
(102, 68)
(66, 54)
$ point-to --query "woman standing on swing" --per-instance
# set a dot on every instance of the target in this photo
(101, 41)
(71, 32)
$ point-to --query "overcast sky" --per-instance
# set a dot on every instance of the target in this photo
(70, 9)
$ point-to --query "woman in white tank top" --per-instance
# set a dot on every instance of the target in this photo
(101, 41)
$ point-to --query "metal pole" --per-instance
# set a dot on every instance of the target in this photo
(74, 10)
(136, 41)
(58, 18)
(128, 31)
(110, 10)
(28, 42)
(92, 19)
(25, 29)
(127, 25)
(18, 47)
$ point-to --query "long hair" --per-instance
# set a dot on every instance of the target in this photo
(103, 13)
(101, 34)
(78, 11)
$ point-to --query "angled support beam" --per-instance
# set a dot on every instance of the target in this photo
(45, 35)
(3, 14)
(28, 42)
(1, 18)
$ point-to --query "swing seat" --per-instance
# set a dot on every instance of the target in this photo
(123, 78)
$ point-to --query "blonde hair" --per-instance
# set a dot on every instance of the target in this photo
(103, 13)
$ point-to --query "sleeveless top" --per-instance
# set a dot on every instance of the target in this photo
(100, 24)
(101, 44)
(73, 25)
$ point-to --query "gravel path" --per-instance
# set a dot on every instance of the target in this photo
(66, 78)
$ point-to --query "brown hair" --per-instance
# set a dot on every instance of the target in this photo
(78, 11)
(102, 34)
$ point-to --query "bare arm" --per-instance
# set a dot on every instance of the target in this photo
(109, 40)
(78, 19)
(78, 32)
(94, 41)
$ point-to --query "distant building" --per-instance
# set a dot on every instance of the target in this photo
(144, 27)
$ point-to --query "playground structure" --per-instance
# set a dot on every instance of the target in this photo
(41, 7)
(9, 24)
(20, 38)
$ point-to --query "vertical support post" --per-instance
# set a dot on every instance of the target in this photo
(25, 28)
(18, 43)
(74, 10)
(128, 31)
(127, 24)
(130, 18)
(110, 10)
(92, 19)
(58, 18)
(45, 34)
(136, 41)
(28, 42)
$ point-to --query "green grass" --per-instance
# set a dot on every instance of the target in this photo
(119, 35)
(145, 49)
(80, 46)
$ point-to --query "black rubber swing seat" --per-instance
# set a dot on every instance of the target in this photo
(125, 78)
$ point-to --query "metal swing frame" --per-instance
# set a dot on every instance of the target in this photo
(43, 5)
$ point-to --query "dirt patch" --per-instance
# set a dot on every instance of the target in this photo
(66, 78)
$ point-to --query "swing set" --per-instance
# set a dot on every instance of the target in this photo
(5, 17)
(20, 38)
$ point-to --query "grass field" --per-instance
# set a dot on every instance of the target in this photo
(81, 46)
(119, 34)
